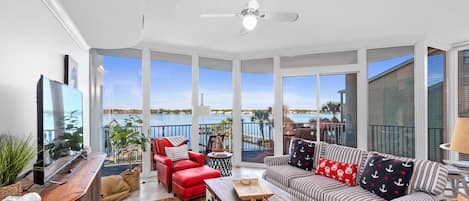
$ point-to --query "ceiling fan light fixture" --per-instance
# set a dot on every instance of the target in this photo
(250, 22)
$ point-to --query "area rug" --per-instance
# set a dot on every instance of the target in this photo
(177, 199)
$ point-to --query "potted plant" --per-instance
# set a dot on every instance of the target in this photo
(127, 139)
(15, 155)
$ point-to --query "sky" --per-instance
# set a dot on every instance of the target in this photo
(171, 85)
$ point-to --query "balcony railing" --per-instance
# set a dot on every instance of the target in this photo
(258, 139)
(400, 140)
(333, 133)
(253, 138)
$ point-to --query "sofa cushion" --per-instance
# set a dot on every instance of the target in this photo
(184, 164)
(318, 150)
(346, 155)
(429, 177)
(302, 154)
(351, 194)
(316, 186)
(387, 178)
(194, 176)
(343, 172)
(284, 173)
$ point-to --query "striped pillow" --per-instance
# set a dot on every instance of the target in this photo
(429, 176)
(177, 153)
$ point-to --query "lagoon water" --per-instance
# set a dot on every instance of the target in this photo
(183, 119)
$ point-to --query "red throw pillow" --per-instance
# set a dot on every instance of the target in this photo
(343, 172)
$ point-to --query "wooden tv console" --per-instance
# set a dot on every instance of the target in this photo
(83, 183)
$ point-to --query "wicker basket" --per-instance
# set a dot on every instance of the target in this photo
(132, 178)
(11, 190)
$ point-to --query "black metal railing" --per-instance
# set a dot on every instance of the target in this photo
(333, 133)
(390, 139)
(400, 140)
(207, 130)
(257, 136)
(435, 139)
(172, 130)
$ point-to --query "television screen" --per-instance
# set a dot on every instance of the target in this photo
(60, 127)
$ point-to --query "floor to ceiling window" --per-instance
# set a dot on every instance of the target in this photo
(215, 90)
(463, 89)
(338, 109)
(328, 104)
(257, 99)
(391, 100)
(122, 100)
(436, 104)
(171, 95)
(300, 109)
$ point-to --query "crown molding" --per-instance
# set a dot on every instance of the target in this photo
(59, 12)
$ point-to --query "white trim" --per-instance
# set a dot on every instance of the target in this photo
(338, 47)
(308, 49)
(146, 114)
(195, 103)
(174, 49)
(278, 108)
(421, 100)
(323, 70)
(236, 112)
(318, 106)
(461, 47)
(438, 45)
(67, 23)
(451, 95)
(362, 100)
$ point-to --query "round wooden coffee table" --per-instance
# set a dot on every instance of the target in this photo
(220, 161)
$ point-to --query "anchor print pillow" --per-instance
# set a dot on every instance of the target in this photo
(343, 172)
(302, 154)
(385, 177)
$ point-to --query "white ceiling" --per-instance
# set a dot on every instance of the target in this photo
(116, 23)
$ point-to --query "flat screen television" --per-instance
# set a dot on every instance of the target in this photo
(59, 128)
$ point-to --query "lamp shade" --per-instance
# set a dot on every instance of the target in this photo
(460, 141)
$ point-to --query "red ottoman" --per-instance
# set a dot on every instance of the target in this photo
(189, 183)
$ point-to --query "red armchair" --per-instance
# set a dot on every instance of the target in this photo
(165, 167)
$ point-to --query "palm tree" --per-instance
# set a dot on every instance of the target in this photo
(261, 116)
(331, 107)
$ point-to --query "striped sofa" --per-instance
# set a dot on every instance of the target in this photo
(427, 182)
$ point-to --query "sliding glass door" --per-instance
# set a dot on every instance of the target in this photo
(320, 107)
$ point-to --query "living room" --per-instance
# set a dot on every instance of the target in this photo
(234, 100)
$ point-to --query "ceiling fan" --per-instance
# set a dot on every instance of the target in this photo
(251, 14)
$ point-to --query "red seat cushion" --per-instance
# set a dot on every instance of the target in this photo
(194, 176)
(184, 164)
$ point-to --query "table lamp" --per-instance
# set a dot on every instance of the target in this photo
(460, 140)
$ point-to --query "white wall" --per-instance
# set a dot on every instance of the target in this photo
(33, 42)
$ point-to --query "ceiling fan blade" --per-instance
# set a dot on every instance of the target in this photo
(280, 16)
(218, 15)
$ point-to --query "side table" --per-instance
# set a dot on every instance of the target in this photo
(220, 161)
(457, 177)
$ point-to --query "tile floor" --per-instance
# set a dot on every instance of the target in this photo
(151, 190)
